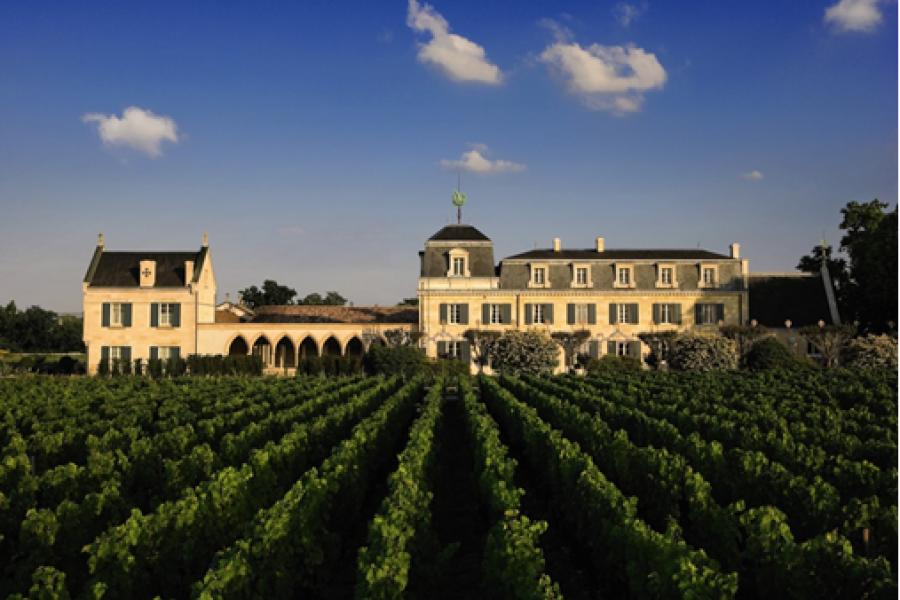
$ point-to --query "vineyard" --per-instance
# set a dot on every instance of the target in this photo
(643, 485)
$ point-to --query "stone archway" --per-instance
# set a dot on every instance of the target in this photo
(354, 347)
(263, 347)
(308, 347)
(238, 346)
(285, 354)
(331, 347)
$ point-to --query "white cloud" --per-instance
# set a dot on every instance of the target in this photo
(457, 57)
(606, 77)
(752, 176)
(474, 161)
(854, 15)
(560, 32)
(626, 14)
(138, 128)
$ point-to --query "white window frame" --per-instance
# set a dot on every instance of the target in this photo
(165, 314)
(454, 314)
(454, 349)
(667, 314)
(628, 270)
(455, 254)
(164, 352)
(115, 352)
(622, 348)
(539, 276)
(497, 314)
(581, 268)
(459, 266)
(116, 314)
(709, 269)
(538, 317)
(708, 314)
(581, 314)
(622, 309)
(660, 278)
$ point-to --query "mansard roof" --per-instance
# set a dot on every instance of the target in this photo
(121, 269)
(618, 254)
(459, 233)
(798, 297)
(336, 314)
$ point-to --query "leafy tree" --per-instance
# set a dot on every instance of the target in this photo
(744, 336)
(409, 302)
(483, 344)
(570, 341)
(271, 294)
(330, 299)
(768, 353)
(394, 360)
(872, 352)
(39, 330)
(660, 344)
(700, 352)
(402, 337)
(829, 340)
(520, 352)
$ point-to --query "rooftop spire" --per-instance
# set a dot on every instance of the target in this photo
(459, 201)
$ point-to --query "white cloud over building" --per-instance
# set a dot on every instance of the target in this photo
(138, 129)
(474, 161)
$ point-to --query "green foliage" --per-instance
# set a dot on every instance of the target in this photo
(271, 294)
(330, 299)
(446, 367)
(611, 363)
(700, 352)
(520, 352)
(828, 340)
(871, 352)
(769, 353)
(394, 360)
(39, 330)
(744, 336)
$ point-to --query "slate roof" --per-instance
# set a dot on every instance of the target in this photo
(775, 298)
(121, 269)
(459, 233)
(336, 314)
(618, 254)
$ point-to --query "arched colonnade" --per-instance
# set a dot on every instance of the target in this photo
(282, 351)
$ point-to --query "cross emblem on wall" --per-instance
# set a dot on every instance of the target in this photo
(146, 272)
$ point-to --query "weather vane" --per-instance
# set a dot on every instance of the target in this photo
(459, 200)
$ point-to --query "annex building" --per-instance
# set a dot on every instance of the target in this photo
(164, 304)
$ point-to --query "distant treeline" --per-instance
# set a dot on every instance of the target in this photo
(39, 330)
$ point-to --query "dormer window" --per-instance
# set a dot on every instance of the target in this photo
(665, 276)
(459, 263)
(147, 273)
(539, 276)
(581, 275)
(624, 273)
(709, 276)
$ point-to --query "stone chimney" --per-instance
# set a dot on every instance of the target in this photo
(735, 250)
(100, 240)
(556, 244)
(148, 273)
(600, 244)
(188, 272)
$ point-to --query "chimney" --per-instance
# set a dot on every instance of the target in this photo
(148, 273)
(600, 244)
(205, 240)
(735, 250)
(100, 240)
(556, 244)
(188, 272)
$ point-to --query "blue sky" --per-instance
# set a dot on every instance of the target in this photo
(318, 143)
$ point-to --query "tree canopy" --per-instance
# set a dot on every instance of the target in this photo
(866, 282)
(273, 294)
(39, 330)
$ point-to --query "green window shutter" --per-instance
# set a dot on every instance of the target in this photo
(126, 314)
(442, 348)
(104, 353)
(463, 314)
(570, 314)
(657, 313)
(485, 314)
(175, 352)
(506, 311)
(698, 314)
(634, 349)
(465, 352)
(126, 353)
(594, 349)
(154, 314)
(154, 352)
(529, 314)
(613, 314)
(611, 348)
(720, 312)
(633, 315)
(104, 318)
(443, 313)
(592, 314)
(677, 311)
(548, 313)
(176, 315)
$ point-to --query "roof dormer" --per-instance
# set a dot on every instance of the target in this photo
(148, 273)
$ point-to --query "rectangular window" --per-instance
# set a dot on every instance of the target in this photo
(581, 314)
(454, 349)
(708, 314)
(459, 267)
(167, 352)
(538, 314)
(116, 314)
(623, 314)
(115, 352)
(666, 313)
(581, 276)
(709, 275)
(454, 313)
(165, 315)
(622, 348)
(624, 276)
(540, 275)
(496, 314)
(665, 275)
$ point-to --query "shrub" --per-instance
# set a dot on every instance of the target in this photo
(769, 353)
(520, 352)
(612, 362)
(699, 352)
(103, 367)
(871, 352)
(398, 360)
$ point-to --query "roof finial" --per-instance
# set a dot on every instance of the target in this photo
(458, 201)
(100, 239)
(205, 240)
